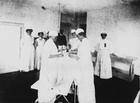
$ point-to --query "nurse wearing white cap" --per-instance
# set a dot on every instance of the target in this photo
(86, 89)
(74, 41)
(103, 67)
(79, 30)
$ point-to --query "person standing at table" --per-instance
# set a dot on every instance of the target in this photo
(61, 41)
(103, 67)
(39, 47)
(48, 71)
(27, 51)
(85, 81)
(74, 42)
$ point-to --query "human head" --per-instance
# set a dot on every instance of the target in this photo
(41, 34)
(103, 35)
(80, 34)
(29, 31)
(73, 32)
(79, 30)
(53, 34)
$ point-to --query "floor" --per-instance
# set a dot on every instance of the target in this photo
(116, 90)
(15, 88)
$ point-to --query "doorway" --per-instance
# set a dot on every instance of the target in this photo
(72, 21)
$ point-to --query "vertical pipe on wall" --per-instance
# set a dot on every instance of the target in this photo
(59, 15)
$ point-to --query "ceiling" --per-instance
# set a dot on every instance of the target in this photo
(78, 5)
(67, 5)
(82, 5)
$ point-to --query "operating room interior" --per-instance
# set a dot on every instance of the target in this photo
(120, 19)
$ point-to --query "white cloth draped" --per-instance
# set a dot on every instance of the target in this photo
(48, 73)
(57, 79)
(57, 74)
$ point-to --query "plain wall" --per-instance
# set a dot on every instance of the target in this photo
(30, 14)
(122, 23)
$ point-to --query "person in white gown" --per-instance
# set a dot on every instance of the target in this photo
(103, 67)
(74, 42)
(39, 47)
(48, 71)
(27, 51)
(85, 81)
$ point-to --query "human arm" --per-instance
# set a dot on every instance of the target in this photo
(55, 55)
(74, 56)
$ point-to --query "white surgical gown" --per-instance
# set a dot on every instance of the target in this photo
(86, 88)
(74, 42)
(27, 54)
(40, 45)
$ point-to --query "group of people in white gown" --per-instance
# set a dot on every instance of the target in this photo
(49, 61)
(31, 50)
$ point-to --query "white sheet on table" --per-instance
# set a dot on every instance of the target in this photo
(137, 67)
(121, 66)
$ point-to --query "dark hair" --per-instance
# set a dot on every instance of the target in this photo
(61, 31)
(40, 33)
(82, 34)
(29, 30)
(104, 34)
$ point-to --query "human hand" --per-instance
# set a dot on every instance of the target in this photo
(60, 55)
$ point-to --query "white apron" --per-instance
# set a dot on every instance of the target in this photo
(103, 64)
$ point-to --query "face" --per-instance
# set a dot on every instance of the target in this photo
(29, 33)
(41, 35)
(73, 34)
(103, 36)
(79, 37)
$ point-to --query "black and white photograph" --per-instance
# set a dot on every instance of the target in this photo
(69, 51)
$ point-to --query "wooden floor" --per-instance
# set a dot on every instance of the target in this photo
(15, 88)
